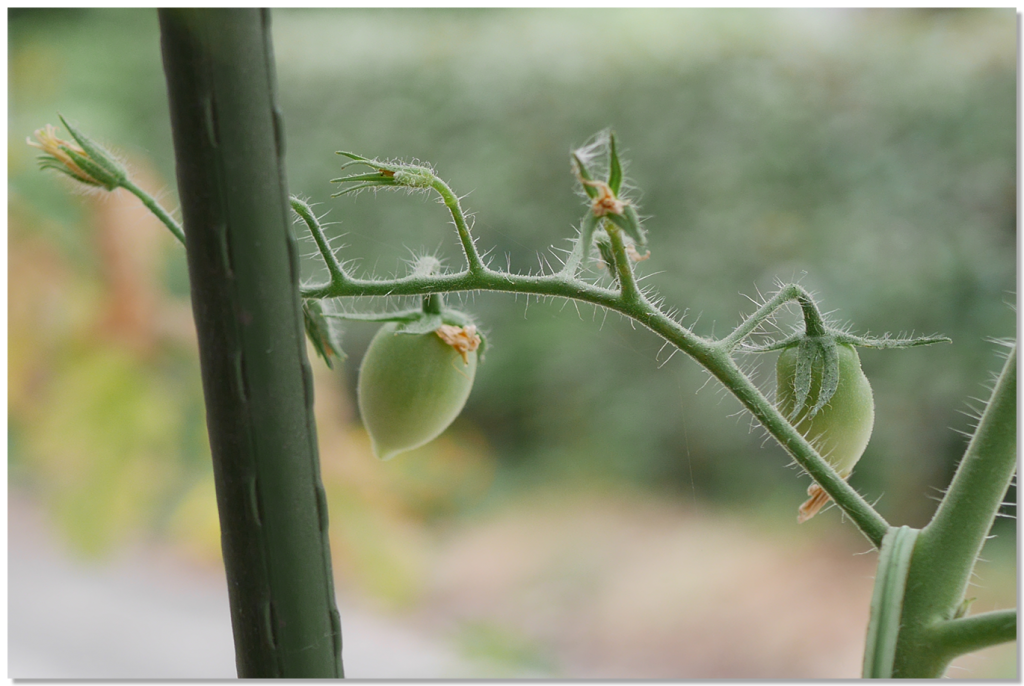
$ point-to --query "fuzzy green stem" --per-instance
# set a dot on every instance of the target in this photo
(960, 636)
(623, 266)
(865, 517)
(750, 324)
(814, 325)
(961, 524)
(948, 547)
(716, 356)
(334, 268)
(155, 208)
(433, 303)
(451, 201)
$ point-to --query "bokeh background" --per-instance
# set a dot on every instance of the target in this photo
(598, 510)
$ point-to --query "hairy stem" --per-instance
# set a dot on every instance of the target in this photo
(965, 635)
(334, 268)
(948, 547)
(476, 265)
(155, 208)
(630, 301)
(630, 293)
(812, 318)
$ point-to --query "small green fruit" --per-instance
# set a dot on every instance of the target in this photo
(840, 430)
(412, 386)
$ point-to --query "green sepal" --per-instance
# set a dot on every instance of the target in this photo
(588, 234)
(615, 167)
(809, 350)
(584, 174)
(403, 316)
(377, 178)
(353, 189)
(604, 247)
(457, 318)
(48, 162)
(354, 157)
(323, 332)
(806, 352)
(425, 323)
(387, 175)
(428, 322)
(629, 222)
(113, 173)
(824, 346)
(102, 176)
(885, 342)
(414, 321)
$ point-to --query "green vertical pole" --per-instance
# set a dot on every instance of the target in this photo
(228, 142)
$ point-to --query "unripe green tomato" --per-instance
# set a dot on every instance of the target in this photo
(840, 430)
(411, 387)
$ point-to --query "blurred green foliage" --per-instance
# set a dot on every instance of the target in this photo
(869, 154)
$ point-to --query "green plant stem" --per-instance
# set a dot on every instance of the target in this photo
(155, 208)
(433, 303)
(630, 292)
(714, 355)
(451, 201)
(630, 301)
(243, 271)
(965, 635)
(246, 301)
(948, 547)
(334, 268)
(812, 318)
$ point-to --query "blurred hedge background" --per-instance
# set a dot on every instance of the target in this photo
(868, 154)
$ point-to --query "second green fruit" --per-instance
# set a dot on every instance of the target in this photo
(840, 430)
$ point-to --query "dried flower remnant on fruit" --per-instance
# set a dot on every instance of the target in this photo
(57, 149)
(464, 339)
(818, 499)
